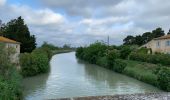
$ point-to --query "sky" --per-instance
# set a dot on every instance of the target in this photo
(81, 22)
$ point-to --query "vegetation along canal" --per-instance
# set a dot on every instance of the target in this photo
(70, 77)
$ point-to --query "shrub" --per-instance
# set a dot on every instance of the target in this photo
(164, 79)
(92, 52)
(111, 56)
(163, 59)
(79, 52)
(34, 63)
(125, 51)
(102, 61)
(119, 65)
(10, 79)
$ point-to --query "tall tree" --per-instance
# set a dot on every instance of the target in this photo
(17, 30)
(158, 32)
(146, 37)
(129, 40)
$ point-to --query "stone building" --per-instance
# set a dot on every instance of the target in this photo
(160, 44)
(12, 44)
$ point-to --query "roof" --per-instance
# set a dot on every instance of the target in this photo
(6, 40)
(163, 37)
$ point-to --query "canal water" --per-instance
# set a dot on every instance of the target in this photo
(69, 77)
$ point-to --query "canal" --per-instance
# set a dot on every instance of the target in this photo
(69, 77)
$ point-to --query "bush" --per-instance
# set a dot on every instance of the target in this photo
(34, 63)
(92, 52)
(10, 88)
(164, 79)
(119, 65)
(10, 79)
(111, 56)
(125, 51)
(163, 59)
(102, 61)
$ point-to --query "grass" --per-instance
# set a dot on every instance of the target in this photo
(141, 71)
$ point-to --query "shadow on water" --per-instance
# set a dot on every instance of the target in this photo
(32, 84)
(109, 79)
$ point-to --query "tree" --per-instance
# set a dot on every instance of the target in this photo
(147, 36)
(168, 32)
(129, 40)
(158, 32)
(17, 30)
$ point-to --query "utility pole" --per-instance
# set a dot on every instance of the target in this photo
(108, 40)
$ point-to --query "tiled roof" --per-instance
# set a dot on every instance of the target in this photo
(3, 39)
(163, 37)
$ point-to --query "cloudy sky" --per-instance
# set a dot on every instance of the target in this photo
(80, 22)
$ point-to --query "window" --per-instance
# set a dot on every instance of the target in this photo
(158, 44)
(167, 43)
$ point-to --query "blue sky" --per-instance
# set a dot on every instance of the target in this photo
(81, 22)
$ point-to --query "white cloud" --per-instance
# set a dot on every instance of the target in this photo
(38, 17)
(2, 2)
(93, 19)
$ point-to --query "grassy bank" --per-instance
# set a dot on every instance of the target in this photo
(116, 59)
(141, 71)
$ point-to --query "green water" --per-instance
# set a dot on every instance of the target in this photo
(70, 77)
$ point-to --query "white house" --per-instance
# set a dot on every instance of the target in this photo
(160, 44)
(12, 44)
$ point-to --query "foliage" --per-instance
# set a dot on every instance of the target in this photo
(34, 63)
(111, 56)
(92, 53)
(79, 52)
(144, 38)
(125, 50)
(66, 46)
(143, 50)
(141, 71)
(168, 32)
(164, 78)
(119, 65)
(163, 59)
(48, 48)
(10, 78)
(102, 61)
(17, 30)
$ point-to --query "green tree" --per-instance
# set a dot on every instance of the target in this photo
(146, 37)
(17, 30)
(129, 40)
(168, 32)
(158, 32)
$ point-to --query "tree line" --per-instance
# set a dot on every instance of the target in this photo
(144, 38)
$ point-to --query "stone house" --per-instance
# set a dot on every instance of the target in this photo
(12, 44)
(160, 44)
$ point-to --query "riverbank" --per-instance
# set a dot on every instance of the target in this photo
(141, 96)
(119, 59)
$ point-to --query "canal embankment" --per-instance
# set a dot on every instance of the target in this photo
(131, 61)
(141, 96)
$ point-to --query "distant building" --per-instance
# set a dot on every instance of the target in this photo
(161, 44)
(14, 44)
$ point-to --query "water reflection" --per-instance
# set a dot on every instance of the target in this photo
(118, 83)
(33, 85)
(70, 77)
